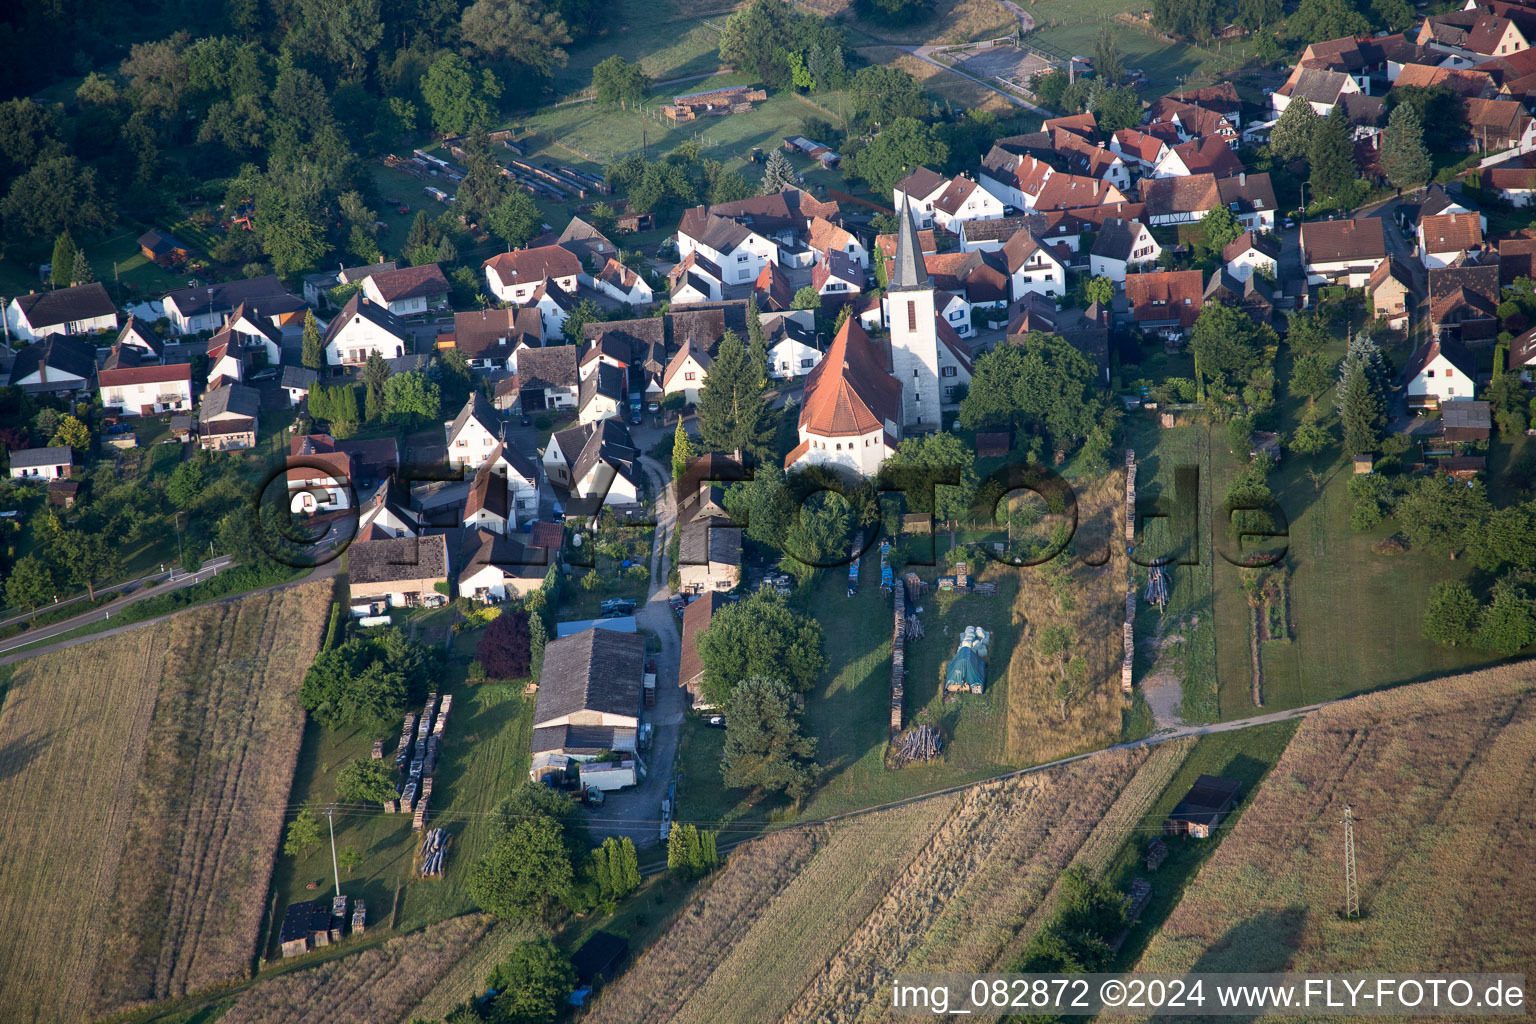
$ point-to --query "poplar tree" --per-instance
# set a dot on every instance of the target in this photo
(313, 354)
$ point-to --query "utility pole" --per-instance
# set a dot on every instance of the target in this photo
(1351, 885)
(330, 820)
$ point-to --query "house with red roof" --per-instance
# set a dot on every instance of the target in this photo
(146, 390)
(851, 412)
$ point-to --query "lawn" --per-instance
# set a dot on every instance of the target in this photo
(1166, 64)
(1356, 614)
(669, 43)
(484, 756)
(113, 257)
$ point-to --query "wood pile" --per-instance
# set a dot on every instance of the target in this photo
(984, 589)
(914, 628)
(1157, 852)
(1128, 658)
(434, 850)
(920, 743)
(898, 660)
(359, 918)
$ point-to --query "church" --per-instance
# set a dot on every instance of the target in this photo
(866, 394)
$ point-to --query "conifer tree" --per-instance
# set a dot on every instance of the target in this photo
(81, 273)
(313, 354)
(778, 173)
(732, 413)
(63, 260)
(1332, 155)
(1403, 155)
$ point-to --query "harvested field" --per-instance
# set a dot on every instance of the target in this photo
(376, 986)
(949, 883)
(473, 965)
(1442, 782)
(688, 953)
(1037, 729)
(962, 92)
(150, 774)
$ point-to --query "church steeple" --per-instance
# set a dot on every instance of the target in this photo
(910, 272)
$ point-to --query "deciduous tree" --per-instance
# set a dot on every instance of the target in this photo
(760, 636)
(364, 780)
(764, 748)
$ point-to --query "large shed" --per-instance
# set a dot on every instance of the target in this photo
(1201, 811)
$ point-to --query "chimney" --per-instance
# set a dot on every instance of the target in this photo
(1242, 179)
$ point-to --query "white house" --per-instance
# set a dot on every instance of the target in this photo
(1033, 267)
(554, 304)
(596, 459)
(1342, 251)
(522, 479)
(1440, 371)
(1120, 246)
(918, 192)
(474, 433)
(497, 568)
(514, 276)
(296, 382)
(488, 505)
(137, 338)
(257, 337)
(837, 277)
(697, 279)
(42, 463)
(362, 328)
(739, 252)
(825, 238)
(954, 309)
(603, 394)
(1446, 236)
(791, 338)
(964, 200)
(623, 284)
(205, 307)
(83, 309)
(57, 363)
(686, 371)
(408, 291)
(387, 513)
(1250, 252)
(146, 390)
(542, 378)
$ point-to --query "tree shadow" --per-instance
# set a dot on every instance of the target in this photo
(17, 755)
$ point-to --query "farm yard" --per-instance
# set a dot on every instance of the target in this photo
(131, 759)
(1439, 777)
(809, 924)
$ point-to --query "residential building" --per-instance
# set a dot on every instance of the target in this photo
(554, 304)
(146, 390)
(603, 394)
(83, 309)
(474, 433)
(296, 382)
(401, 572)
(488, 505)
(488, 338)
(205, 307)
(1252, 252)
(772, 290)
(136, 337)
(387, 513)
(826, 238)
(318, 286)
(53, 463)
(1342, 251)
(408, 291)
(686, 372)
(1086, 330)
(1464, 298)
(696, 619)
(918, 191)
(1390, 290)
(515, 276)
(696, 278)
(56, 364)
(1440, 371)
(837, 278)
(1165, 302)
(227, 417)
(1206, 155)
(1122, 245)
(589, 245)
(364, 328)
(255, 337)
(850, 415)
(709, 543)
(521, 474)
(320, 478)
(1192, 121)
(498, 568)
(543, 378)
(791, 339)
(738, 251)
(1445, 237)
(1322, 89)
(622, 284)
(596, 461)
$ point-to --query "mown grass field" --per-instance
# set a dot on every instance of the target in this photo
(811, 924)
(1357, 615)
(149, 782)
(1439, 777)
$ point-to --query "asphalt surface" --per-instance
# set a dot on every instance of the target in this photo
(636, 812)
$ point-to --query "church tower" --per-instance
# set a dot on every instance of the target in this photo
(914, 338)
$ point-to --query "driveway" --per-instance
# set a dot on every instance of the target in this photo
(636, 812)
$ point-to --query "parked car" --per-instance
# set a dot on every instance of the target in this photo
(618, 606)
(558, 516)
(527, 420)
(715, 721)
(261, 375)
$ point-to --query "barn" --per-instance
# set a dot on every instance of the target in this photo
(1201, 811)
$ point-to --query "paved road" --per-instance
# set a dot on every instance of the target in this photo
(321, 573)
(152, 578)
(636, 812)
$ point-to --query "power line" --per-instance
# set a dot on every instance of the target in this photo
(1351, 884)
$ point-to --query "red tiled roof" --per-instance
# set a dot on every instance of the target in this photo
(145, 375)
(849, 392)
(525, 266)
(1166, 295)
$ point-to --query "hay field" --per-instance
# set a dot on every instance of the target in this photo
(472, 965)
(811, 925)
(376, 986)
(149, 775)
(1037, 730)
(1441, 778)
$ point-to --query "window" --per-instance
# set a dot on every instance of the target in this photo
(1429, 373)
(912, 320)
(805, 364)
(948, 371)
(839, 447)
(743, 257)
(742, 275)
(957, 314)
(688, 376)
(949, 394)
(1447, 371)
